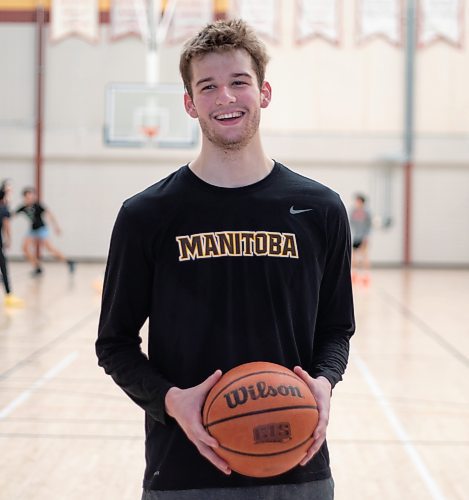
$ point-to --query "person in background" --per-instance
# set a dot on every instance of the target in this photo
(6, 187)
(360, 224)
(39, 232)
(10, 300)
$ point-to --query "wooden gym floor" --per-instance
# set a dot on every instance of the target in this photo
(399, 424)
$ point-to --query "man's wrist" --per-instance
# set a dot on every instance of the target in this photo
(169, 399)
(324, 380)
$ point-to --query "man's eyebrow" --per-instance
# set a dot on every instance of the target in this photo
(233, 75)
(237, 75)
(204, 80)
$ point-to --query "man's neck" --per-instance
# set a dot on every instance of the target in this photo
(232, 168)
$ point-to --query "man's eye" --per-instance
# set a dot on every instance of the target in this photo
(239, 82)
(208, 87)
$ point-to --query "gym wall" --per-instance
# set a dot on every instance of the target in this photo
(337, 115)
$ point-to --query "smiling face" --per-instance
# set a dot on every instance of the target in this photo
(226, 98)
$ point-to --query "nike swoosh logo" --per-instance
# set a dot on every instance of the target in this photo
(294, 212)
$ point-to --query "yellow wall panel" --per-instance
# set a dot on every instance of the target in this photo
(32, 4)
(222, 6)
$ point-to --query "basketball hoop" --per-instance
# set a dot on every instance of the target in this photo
(150, 132)
(150, 120)
(148, 116)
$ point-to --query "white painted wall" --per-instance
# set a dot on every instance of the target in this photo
(336, 116)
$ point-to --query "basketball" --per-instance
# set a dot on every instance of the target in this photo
(263, 417)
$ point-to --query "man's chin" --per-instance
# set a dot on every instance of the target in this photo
(230, 144)
(230, 140)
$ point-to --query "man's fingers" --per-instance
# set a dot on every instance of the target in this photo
(185, 405)
(302, 373)
(210, 381)
(313, 450)
(205, 444)
(308, 457)
(319, 434)
(321, 428)
(319, 437)
(200, 434)
(212, 457)
(209, 441)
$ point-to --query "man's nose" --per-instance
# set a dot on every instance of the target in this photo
(225, 95)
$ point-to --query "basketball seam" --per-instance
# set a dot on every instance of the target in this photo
(272, 454)
(258, 412)
(292, 375)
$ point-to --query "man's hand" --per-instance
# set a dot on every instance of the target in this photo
(321, 389)
(185, 406)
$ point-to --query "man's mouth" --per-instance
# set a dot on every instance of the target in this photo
(229, 116)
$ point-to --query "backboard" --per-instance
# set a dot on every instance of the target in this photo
(148, 115)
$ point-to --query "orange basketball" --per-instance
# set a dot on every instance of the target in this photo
(263, 417)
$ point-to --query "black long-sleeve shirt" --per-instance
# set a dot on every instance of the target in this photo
(225, 276)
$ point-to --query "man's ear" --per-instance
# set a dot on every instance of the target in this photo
(189, 106)
(266, 94)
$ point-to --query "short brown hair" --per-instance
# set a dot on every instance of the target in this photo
(223, 36)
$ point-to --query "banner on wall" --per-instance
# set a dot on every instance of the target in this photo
(128, 18)
(441, 20)
(189, 17)
(262, 15)
(379, 18)
(317, 19)
(74, 18)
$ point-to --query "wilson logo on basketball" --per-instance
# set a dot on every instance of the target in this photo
(243, 394)
(277, 432)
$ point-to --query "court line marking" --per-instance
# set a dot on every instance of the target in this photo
(51, 343)
(25, 395)
(97, 437)
(427, 329)
(397, 427)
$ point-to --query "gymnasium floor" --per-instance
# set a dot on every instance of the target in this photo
(399, 424)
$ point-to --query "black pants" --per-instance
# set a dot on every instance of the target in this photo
(3, 270)
(315, 490)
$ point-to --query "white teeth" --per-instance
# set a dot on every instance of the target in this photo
(237, 114)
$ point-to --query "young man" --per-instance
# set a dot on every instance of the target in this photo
(39, 232)
(234, 258)
(10, 300)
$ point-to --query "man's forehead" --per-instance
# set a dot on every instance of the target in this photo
(237, 60)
